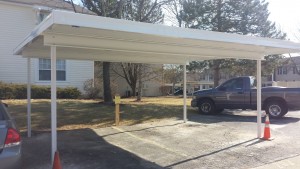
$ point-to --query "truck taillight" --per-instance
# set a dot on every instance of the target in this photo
(12, 138)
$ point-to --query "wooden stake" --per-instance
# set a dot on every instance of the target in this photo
(117, 114)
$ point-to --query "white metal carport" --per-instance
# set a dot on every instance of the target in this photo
(68, 35)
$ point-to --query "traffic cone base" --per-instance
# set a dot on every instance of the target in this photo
(269, 139)
(267, 131)
(56, 162)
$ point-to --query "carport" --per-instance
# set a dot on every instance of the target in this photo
(68, 35)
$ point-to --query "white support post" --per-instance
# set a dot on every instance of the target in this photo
(184, 94)
(259, 98)
(53, 104)
(28, 97)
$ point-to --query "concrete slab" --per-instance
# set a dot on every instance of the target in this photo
(224, 141)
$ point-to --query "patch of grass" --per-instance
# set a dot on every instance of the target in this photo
(76, 114)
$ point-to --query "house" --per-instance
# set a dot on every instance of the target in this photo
(152, 80)
(18, 18)
(288, 73)
(205, 79)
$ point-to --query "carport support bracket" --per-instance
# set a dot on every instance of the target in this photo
(53, 104)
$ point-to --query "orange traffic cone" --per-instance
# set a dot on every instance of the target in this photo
(56, 162)
(267, 132)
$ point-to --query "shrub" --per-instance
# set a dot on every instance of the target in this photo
(92, 89)
(68, 93)
(40, 92)
(164, 90)
(19, 91)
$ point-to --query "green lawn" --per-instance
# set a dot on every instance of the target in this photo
(74, 114)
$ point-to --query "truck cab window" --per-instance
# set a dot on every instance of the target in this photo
(252, 83)
(234, 84)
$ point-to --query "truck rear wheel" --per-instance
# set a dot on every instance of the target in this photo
(206, 107)
(276, 109)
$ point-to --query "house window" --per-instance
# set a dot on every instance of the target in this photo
(295, 69)
(210, 77)
(284, 70)
(45, 70)
(279, 71)
(202, 77)
(145, 86)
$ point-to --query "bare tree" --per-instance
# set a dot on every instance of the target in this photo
(143, 11)
(137, 74)
(294, 65)
(173, 13)
(173, 74)
(113, 9)
(73, 5)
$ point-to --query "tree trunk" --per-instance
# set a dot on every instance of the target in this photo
(106, 83)
(216, 68)
(139, 96)
(133, 89)
(173, 88)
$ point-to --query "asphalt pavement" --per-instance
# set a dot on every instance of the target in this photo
(228, 140)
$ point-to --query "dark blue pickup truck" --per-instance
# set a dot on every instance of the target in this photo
(240, 93)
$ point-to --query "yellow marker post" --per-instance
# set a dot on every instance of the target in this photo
(117, 103)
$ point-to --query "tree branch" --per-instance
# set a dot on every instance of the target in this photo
(294, 64)
(72, 3)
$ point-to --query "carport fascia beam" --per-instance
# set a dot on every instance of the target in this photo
(83, 42)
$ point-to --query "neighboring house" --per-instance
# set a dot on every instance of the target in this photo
(199, 81)
(287, 71)
(18, 18)
(287, 74)
(205, 79)
(119, 85)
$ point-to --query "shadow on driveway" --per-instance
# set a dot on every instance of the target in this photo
(211, 153)
(80, 149)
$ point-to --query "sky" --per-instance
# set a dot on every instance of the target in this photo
(286, 15)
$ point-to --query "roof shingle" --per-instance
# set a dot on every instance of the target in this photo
(54, 4)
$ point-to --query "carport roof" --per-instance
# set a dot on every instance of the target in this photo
(87, 37)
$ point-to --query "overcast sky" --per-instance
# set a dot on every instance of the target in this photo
(286, 13)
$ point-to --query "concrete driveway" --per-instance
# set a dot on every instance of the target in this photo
(224, 141)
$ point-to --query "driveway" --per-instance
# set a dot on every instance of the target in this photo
(224, 141)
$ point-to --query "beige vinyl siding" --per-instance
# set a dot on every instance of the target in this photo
(17, 21)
